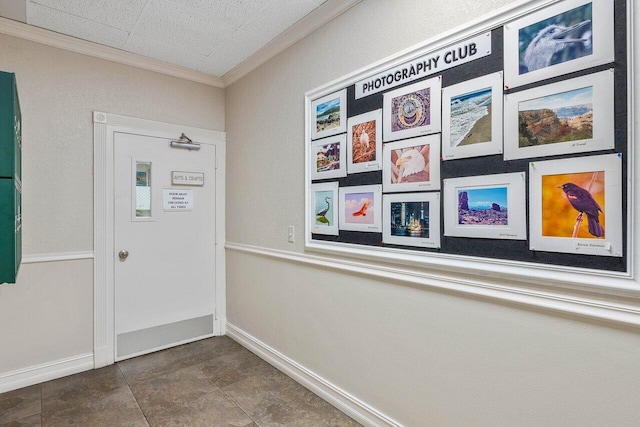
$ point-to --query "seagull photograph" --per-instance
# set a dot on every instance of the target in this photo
(555, 40)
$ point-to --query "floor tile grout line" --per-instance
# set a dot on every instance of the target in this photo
(239, 407)
(126, 380)
(198, 366)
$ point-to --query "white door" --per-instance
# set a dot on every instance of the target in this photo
(164, 240)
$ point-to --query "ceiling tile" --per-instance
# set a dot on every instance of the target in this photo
(163, 51)
(54, 20)
(241, 45)
(166, 21)
(271, 21)
(232, 12)
(121, 14)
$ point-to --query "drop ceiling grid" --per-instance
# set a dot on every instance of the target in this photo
(208, 36)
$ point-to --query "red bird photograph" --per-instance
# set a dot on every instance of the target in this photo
(363, 209)
(572, 205)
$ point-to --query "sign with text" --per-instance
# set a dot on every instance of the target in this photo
(177, 199)
(187, 178)
(448, 57)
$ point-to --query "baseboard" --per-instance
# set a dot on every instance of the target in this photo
(350, 405)
(45, 372)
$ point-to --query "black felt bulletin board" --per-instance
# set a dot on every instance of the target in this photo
(515, 250)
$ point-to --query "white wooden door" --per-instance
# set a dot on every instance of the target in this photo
(164, 222)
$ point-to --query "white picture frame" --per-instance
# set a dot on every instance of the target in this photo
(580, 112)
(472, 118)
(328, 115)
(530, 54)
(420, 169)
(554, 226)
(405, 222)
(484, 193)
(327, 157)
(323, 208)
(361, 208)
(412, 110)
(364, 142)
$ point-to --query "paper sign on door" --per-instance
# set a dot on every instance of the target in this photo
(177, 199)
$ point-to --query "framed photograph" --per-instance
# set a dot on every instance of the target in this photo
(412, 110)
(472, 118)
(328, 115)
(142, 179)
(361, 208)
(364, 142)
(323, 209)
(412, 219)
(327, 158)
(412, 164)
(565, 37)
(487, 206)
(571, 116)
(575, 205)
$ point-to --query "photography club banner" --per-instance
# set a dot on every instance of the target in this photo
(451, 56)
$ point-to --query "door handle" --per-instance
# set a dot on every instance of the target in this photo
(123, 254)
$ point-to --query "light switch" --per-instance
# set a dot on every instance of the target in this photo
(292, 234)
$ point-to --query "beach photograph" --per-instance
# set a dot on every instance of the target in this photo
(471, 118)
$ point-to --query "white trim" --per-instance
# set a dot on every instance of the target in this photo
(64, 256)
(328, 11)
(62, 41)
(105, 126)
(350, 405)
(624, 308)
(45, 372)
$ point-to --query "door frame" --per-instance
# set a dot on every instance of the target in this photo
(105, 125)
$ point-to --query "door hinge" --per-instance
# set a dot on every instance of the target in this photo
(216, 162)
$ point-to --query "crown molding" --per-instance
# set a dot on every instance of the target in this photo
(305, 26)
(61, 41)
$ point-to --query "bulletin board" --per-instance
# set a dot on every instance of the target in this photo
(507, 142)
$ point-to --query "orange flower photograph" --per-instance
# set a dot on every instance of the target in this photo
(573, 205)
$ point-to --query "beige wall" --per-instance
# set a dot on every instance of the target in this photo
(420, 356)
(48, 315)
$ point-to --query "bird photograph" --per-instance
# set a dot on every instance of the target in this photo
(358, 208)
(363, 209)
(572, 205)
(410, 164)
(363, 148)
(556, 40)
(324, 214)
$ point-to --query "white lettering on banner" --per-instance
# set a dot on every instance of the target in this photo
(177, 199)
(466, 51)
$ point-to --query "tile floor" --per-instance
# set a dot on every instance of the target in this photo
(213, 382)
